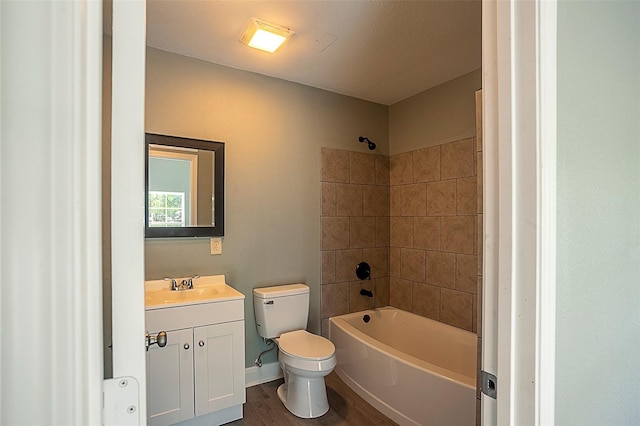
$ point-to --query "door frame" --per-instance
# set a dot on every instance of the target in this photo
(127, 193)
(519, 88)
(51, 360)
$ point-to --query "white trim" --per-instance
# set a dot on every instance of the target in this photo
(546, 285)
(519, 155)
(257, 375)
(504, 196)
(127, 189)
(524, 211)
(490, 203)
(51, 297)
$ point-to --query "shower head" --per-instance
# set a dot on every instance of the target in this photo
(372, 145)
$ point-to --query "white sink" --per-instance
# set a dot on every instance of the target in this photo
(206, 289)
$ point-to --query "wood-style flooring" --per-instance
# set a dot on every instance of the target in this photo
(263, 407)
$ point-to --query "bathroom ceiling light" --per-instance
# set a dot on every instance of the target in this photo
(265, 36)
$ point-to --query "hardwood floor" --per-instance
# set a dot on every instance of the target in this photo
(263, 407)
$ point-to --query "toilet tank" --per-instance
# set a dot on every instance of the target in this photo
(280, 309)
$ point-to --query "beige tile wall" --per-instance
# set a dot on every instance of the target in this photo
(433, 232)
(355, 228)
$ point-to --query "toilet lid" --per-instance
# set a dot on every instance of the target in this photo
(303, 344)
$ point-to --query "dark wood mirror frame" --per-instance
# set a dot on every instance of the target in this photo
(188, 231)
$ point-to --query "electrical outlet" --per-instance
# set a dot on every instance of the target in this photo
(216, 245)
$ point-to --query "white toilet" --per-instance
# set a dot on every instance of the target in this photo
(281, 314)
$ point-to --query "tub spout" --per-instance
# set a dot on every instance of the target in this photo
(365, 292)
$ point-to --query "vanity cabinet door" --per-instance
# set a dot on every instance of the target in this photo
(170, 379)
(219, 366)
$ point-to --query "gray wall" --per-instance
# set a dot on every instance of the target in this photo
(598, 234)
(442, 114)
(273, 131)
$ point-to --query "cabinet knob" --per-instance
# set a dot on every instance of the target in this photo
(201, 343)
(186, 346)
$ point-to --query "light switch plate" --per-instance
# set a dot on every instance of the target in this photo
(216, 245)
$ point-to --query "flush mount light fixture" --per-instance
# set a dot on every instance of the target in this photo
(265, 36)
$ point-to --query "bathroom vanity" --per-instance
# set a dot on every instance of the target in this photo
(198, 376)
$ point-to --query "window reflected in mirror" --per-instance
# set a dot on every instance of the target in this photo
(184, 187)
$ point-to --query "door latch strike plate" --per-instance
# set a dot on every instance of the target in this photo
(489, 385)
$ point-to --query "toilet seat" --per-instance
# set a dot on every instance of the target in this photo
(304, 345)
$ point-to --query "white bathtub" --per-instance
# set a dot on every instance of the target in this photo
(414, 370)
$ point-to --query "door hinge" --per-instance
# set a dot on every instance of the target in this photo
(120, 402)
(489, 384)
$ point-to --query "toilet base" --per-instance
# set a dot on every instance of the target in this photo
(303, 397)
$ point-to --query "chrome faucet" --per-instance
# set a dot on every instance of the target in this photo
(174, 283)
(187, 283)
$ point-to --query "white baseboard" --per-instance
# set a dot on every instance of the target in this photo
(258, 375)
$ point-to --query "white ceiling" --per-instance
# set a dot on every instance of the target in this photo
(380, 51)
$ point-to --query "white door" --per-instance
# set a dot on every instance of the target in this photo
(519, 231)
(127, 193)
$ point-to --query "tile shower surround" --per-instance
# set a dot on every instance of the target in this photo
(355, 228)
(414, 218)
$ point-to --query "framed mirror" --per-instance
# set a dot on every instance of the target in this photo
(184, 186)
